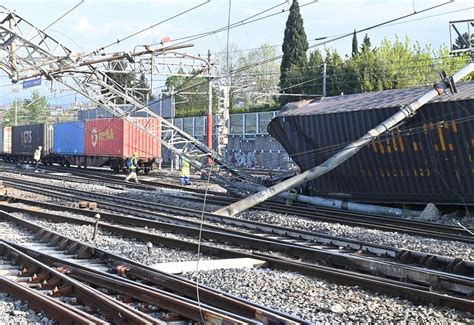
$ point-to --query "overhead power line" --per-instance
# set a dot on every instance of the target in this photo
(236, 24)
(344, 35)
(147, 28)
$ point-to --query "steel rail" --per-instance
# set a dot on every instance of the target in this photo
(215, 300)
(386, 223)
(58, 284)
(41, 303)
(409, 266)
(326, 243)
(82, 272)
(415, 292)
(417, 228)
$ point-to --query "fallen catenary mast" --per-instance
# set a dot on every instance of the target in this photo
(350, 150)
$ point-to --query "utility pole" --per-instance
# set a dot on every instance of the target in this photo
(222, 118)
(209, 106)
(324, 79)
(16, 113)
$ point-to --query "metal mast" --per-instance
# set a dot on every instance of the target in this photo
(29, 52)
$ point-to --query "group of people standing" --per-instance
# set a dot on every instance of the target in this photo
(133, 167)
(184, 169)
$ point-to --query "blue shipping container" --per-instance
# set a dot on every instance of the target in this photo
(69, 138)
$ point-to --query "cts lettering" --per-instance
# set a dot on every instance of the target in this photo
(27, 137)
(107, 134)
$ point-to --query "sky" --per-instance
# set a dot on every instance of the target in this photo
(95, 23)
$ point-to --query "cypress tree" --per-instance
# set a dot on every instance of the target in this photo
(355, 46)
(294, 61)
(366, 44)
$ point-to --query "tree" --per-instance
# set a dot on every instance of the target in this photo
(314, 74)
(463, 41)
(193, 100)
(118, 73)
(294, 60)
(366, 44)
(355, 46)
(259, 78)
(143, 89)
(335, 73)
(29, 111)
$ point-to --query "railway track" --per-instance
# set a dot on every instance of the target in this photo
(417, 273)
(426, 229)
(407, 226)
(112, 288)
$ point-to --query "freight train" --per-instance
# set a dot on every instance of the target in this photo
(430, 158)
(90, 143)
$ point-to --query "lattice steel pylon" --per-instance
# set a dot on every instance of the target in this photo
(29, 52)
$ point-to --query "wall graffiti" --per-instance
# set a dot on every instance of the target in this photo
(243, 158)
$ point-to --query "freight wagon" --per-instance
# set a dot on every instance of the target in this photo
(430, 158)
(91, 143)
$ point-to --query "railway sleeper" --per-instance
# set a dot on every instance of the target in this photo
(335, 257)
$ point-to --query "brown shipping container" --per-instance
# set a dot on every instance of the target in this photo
(115, 137)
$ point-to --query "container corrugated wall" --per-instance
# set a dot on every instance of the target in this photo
(428, 159)
(7, 140)
(118, 138)
(69, 138)
(26, 138)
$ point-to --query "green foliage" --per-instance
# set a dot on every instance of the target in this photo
(294, 60)
(392, 65)
(462, 41)
(366, 44)
(143, 89)
(260, 78)
(28, 111)
(263, 108)
(314, 73)
(123, 79)
(192, 96)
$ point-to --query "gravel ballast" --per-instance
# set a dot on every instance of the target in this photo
(306, 297)
(17, 312)
(320, 301)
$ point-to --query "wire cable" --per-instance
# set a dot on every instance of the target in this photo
(346, 35)
(147, 28)
(200, 240)
(64, 15)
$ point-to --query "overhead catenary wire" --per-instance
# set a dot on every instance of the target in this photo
(336, 35)
(147, 28)
(345, 35)
(51, 24)
(232, 25)
(64, 15)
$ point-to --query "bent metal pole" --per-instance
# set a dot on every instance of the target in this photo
(350, 150)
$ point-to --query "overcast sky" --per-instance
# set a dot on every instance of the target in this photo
(99, 22)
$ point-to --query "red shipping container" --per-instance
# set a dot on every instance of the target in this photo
(114, 137)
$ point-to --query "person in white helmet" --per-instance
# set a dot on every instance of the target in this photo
(37, 157)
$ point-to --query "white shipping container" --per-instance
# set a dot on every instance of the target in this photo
(6, 140)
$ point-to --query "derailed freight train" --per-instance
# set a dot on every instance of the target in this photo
(430, 158)
(90, 143)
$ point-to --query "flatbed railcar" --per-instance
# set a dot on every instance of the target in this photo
(430, 158)
(90, 143)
